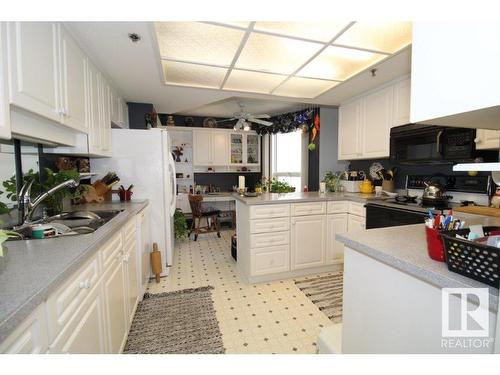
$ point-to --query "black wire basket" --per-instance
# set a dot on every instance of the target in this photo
(470, 258)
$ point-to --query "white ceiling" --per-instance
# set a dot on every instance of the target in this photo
(294, 59)
(135, 70)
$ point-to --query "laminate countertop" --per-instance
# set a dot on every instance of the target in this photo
(313, 196)
(31, 270)
(405, 248)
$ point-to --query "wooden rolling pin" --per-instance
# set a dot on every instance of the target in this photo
(156, 262)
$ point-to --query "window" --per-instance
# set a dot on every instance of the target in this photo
(289, 161)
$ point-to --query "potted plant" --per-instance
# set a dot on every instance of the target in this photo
(332, 181)
(180, 225)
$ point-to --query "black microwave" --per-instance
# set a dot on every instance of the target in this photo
(415, 143)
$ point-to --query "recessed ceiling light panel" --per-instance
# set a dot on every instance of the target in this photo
(339, 63)
(275, 54)
(379, 36)
(193, 75)
(304, 87)
(242, 80)
(198, 42)
(320, 31)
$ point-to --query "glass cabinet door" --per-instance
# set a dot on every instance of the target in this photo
(236, 148)
(252, 154)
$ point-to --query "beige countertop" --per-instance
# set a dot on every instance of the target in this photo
(313, 196)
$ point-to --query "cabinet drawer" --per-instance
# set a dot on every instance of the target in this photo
(269, 225)
(338, 207)
(356, 208)
(63, 303)
(310, 208)
(269, 239)
(111, 249)
(271, 259)
(269, 211)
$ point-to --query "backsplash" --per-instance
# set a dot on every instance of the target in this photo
(226, 181)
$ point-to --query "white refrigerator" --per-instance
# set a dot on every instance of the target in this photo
(143, 158)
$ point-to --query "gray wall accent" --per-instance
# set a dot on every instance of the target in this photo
(328, 139)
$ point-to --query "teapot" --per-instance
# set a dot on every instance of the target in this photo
(366, 187)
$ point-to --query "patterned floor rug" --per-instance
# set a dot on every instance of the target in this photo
(325, 292)
(180, 322)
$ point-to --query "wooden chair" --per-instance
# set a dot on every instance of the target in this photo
(198, 213)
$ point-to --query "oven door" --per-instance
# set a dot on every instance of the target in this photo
(410, 144)
(384, 216)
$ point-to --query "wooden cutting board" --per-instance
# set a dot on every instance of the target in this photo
(479, 210)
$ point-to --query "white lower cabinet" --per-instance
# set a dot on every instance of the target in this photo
(30, 337)
(85, 331)
(268, 260)
(336, 223)
(114, 292)
(91, 312)
(308, 241)
(355, 223)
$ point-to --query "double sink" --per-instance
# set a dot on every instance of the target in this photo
(72, 223)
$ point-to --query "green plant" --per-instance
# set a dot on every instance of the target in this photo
(276, 186)
(332, 180)
(4, 236)
(180, 225)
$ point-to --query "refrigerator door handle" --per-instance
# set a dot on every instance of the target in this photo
(173, 198)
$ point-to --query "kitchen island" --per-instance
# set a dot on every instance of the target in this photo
(392, 294)
(288, 235)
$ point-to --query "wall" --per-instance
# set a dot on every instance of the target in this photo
(328, 152)
(136, 113)
(197, 121)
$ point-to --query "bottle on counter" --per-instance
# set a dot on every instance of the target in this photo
(306, 189)
(191, 189)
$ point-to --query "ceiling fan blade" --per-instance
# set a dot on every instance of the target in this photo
(229, 119)
(264, 115)
(261, 122)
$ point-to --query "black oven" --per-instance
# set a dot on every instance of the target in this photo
(416, 143)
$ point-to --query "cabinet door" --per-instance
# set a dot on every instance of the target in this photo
(114, 291)
(85, 333)
(93, 110)
(349, 123)
(145, 247)
(202, 147)
(252, 155)
(308, 243)
(376, 123)
(355, 223)
(130, 269)
(401, 115)
(33, 67)
(4, 92)
(73, 73)
(487, 139)
(236, 148)
(334, 249)
(30, 337)
(220, 155)
(105, 122)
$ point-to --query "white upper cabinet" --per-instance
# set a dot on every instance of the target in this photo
(455, 76)
(349, 128)
(487, 139)
(93, 110)
(73, 75)
(5, 132)
(219, 148)
(34, 67)
(365, 121)
(376, 124)
(202, 147)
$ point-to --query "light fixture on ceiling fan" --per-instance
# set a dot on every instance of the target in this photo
(245, 119)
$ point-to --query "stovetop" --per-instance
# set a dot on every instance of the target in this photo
(414, 206)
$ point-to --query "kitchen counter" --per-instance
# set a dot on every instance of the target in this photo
(405, 249)
(313, 196)
(31, 270)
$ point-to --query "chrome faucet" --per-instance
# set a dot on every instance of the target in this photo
(29, 207)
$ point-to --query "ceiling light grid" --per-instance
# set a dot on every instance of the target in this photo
(296, 59)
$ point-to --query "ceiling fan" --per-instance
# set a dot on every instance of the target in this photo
(245, 118)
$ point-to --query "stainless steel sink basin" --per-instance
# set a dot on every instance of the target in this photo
(74, 223)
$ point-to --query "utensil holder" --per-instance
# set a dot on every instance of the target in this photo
(388, 185)
(125, 195)
(435, 247)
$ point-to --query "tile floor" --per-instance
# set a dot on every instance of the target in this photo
(274, 317)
